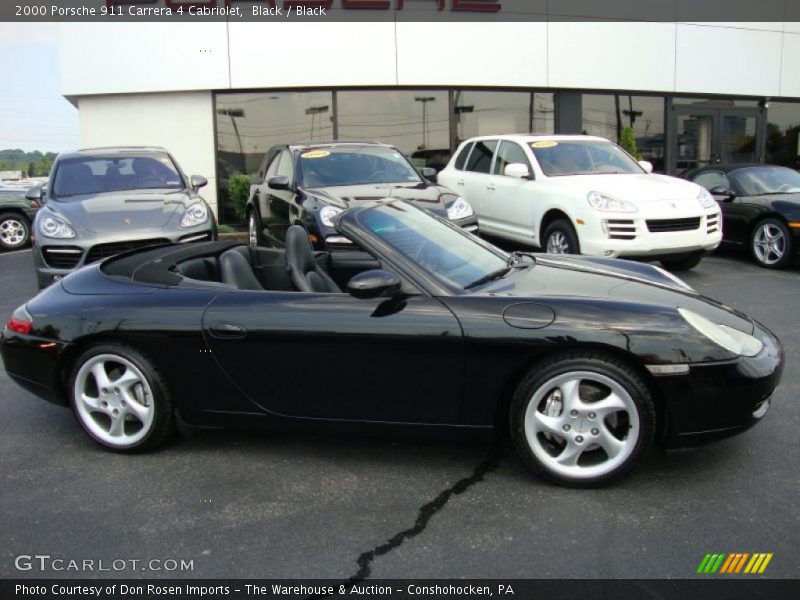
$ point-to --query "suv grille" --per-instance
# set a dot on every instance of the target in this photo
(621, 229)
(62, 257)
(712, 223)
(664, 225)
(101, 251)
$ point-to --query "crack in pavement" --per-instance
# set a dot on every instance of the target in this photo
(426, 513)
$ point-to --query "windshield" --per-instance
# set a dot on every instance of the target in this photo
(353, 165)
(98, 174)
(454, 257)
(767, 180)
(583, 157)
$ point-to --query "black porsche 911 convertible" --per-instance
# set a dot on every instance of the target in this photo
(586, 360)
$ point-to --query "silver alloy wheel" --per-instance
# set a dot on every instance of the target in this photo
(252, 230)
(769, 243)
(578, 437)
(12, 232)
(557, 243)
(113, 400)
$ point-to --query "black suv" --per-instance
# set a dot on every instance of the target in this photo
(309, 184)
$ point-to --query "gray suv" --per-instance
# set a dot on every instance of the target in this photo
(103, 201)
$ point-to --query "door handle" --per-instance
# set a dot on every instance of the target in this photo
(491, 188)
(227, 330)
(460, 182)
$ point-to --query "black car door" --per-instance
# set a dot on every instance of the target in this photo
(733, 215)
(283, 210)
(333, 356)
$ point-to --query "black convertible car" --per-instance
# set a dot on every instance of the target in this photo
(309, 184)
(588, 360)
(760, 208)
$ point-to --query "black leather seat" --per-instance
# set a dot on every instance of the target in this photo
(304, 272)
(236, 270)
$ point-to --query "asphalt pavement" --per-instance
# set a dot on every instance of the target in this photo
(273, 505)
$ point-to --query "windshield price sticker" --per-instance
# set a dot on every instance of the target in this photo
(544, 144)
(316, 154)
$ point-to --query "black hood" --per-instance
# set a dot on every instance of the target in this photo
(424, 195)
(614, 280)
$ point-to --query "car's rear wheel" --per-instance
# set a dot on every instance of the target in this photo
(582, 419)
(685, 263)
(15, 232)
(771, 244)
(254, 235)
(560, 238)
(120, 399)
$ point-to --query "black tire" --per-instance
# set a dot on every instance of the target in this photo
(788, 244)
(605, 366)
(163, 422)
(685, 263)
(255, 238)
(565, 229)
(12, 225)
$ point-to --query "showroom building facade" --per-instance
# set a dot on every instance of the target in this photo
(218, 95)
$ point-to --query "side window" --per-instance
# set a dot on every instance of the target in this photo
(480, 161)
(286, 166)
(711, 179)
(262, 169)
(272, 169)
(462, 157)
(510, 153)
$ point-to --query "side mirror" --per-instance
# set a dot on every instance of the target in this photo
(198, 181)
(429, 173)
(721, 190)
(375, 283)
(35, 193)
(517, 170)
(646, 165)
(279, 182)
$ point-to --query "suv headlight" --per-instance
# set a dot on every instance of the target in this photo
(327, 213)
(195, 215)
(53, 227)
(460, 209)
(729, 338)
(605, 203)
(706, 199)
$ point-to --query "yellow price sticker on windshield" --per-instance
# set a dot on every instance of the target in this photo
(316, 154)
(547, 144)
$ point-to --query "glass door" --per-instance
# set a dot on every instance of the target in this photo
(704, 135)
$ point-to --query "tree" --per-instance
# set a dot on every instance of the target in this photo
(239, 192)
(628, 142)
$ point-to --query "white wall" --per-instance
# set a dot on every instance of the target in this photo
(758, 59)
(181, 122)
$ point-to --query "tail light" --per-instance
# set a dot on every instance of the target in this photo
(20, 322)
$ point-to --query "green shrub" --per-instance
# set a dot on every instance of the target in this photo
(222, 228)
(239, 192)
(628, 142)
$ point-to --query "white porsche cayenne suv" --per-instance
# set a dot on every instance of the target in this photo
(577, 194)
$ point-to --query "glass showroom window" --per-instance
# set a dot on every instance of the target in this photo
(608, 115)
(494, 113)
(415, 121)
(249, 124)
(783, 125)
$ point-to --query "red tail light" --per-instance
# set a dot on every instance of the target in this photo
(20, 322)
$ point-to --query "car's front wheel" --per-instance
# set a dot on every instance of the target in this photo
(120, 399)
(15, 232)
(560, 238)
(582, 419)
(771, 244)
